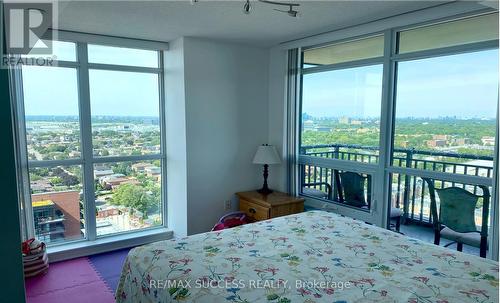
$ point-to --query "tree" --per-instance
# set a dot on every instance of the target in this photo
(56, 181)
(133, 196)
(69, 180)
(122, 168)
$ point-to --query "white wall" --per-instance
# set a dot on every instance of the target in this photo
(277, 111)
(226, 118)
(176, 138)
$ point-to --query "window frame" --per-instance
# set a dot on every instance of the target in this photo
(87, 160)
(382, 170)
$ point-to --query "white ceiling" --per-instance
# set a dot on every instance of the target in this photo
(223, 20)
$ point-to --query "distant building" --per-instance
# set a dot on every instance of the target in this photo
(356, 122)
(102, 172)
(363, 130)
(140, 167)
(41, 185)
(461, 141)
(308, 125)
(115, 180)
(441, 137)
(153, 172)
(344, 120)
(488, 140)
(436, 143)
(323, 129)
(405, 144)
(57, 215)
(104, 211)
(75, 154)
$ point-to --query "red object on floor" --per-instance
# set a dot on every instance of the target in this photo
(231, 220)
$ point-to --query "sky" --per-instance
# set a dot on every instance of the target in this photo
(54, 90)
(464, 85)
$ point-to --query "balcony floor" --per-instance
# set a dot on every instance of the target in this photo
(427, 234)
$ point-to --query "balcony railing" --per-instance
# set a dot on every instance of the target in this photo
(408, 192)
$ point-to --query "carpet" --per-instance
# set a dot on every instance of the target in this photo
(88, 279)
(109, 266)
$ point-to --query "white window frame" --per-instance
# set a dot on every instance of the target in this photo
(91, 243)
(383, 169)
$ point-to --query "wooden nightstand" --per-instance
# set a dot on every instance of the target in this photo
(276, 204)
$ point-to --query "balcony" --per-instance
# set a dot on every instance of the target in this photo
(409, 193)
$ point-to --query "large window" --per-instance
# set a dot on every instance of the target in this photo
(93, 142)
(340, 119)
(383, 115)
(446, 113)
(341, 113)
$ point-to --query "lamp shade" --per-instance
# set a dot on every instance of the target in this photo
(266, 154)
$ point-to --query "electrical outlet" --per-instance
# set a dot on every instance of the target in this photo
(227, 205)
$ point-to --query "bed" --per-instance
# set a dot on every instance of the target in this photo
(313, 256)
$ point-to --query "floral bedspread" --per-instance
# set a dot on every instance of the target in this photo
(309, 257)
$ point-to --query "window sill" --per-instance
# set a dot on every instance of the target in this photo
(86, 248)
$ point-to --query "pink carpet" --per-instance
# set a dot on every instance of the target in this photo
(72, 281)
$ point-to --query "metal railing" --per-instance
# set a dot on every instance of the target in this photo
(407, 192)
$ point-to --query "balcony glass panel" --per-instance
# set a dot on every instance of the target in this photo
(125, 109)
(463, 31)
(51, 112)
(128, 196)
(365, 48)
(341, 114)
(446, 113)
(347, 188)
(57, 202)
(411, 195)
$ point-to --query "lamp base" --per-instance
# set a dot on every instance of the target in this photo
(265, 191)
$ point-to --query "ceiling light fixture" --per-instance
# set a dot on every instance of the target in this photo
(291, 12)
(247, 7)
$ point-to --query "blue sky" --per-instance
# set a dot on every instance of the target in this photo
(464, 85)
(53, 91)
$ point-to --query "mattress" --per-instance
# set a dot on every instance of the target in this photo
(313, 256)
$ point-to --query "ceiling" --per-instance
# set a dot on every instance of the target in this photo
(223, 20)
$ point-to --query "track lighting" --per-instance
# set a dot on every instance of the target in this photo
(291, 12)
(247, 7)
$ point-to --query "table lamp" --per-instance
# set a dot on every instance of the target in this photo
(266, 154)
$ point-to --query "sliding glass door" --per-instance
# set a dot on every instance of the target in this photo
(340, 125)
(383, 115)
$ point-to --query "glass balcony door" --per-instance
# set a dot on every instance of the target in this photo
(379, 118)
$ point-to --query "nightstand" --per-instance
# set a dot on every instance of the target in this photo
(276, 204)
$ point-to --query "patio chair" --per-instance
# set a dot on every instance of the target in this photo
(456, 217)
(351, 190)
(310, 189)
